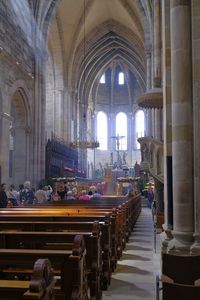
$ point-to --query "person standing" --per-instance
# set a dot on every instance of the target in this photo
(41, 195)
(3, 196)
(27, 195)
(13, 195)
(150, 195)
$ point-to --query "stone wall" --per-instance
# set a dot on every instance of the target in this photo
(16, 33)
(16, 74)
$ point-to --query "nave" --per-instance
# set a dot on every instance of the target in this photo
(135, 275)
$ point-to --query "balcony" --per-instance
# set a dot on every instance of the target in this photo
(151, 99)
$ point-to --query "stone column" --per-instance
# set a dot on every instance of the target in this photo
(149, 122)
(157, 124)
(5, 146)
(58, 110)
(130, 141)
(182, 141)
(157, 43)
(39, 118)
(148, 57)
(196, 102)
(67, 116)
(148, 87)
(153, 122)
(159, 196)
(167, 128)
(161, 124)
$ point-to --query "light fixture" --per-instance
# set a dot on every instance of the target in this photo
(82, 142)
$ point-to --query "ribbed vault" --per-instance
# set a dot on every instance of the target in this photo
(111, 41)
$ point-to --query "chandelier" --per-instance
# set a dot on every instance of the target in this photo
(83, 142)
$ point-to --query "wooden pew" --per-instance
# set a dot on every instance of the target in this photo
(52, 215)
(118, 235)
(100, 229)
(132, 207)
(69, 265)
(61, 241)
(122, 218)
(40, 287)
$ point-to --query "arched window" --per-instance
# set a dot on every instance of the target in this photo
(103, 78)
(121, 131)
(102, 130)
(139, 126)
(121, 78)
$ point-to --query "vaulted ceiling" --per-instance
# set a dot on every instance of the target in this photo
(92, 33)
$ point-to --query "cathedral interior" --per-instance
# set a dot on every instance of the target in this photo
(92, 85)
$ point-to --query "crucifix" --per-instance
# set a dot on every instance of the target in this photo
(118, 138)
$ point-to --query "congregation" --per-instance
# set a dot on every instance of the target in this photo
(26, 194)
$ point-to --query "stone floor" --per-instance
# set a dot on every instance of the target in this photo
(135, 276)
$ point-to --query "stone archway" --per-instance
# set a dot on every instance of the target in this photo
(19, 139)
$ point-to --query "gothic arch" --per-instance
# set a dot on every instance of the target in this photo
(20, 136)
(107, 45)
(26, 96)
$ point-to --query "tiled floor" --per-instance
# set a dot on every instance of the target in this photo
(135, 276)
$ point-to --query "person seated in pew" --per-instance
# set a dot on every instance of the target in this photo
(49, 192)
(84, 196)
(27, 195)
(70, 196)
(75, 192)
(90, 194)
(13, 195)
(92, 188)
(96, 195)
(3, 196)
(41, 195)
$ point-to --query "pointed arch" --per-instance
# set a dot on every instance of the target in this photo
(19, 138)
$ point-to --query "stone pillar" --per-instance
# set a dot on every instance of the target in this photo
(161, 125)
(196, 113)
(157, 44)
(153, 122)
(58, 112)
(63, 113)
(67, 116)
(149, 123)
(157, 124)
(182, 141)
(39, 117)
(130, 141)
(167, 128)
(148, 57)
(5, 146)
(159, 196)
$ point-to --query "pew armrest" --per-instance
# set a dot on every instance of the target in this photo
(42, 280)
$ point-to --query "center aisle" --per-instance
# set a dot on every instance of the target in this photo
(135, 275)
